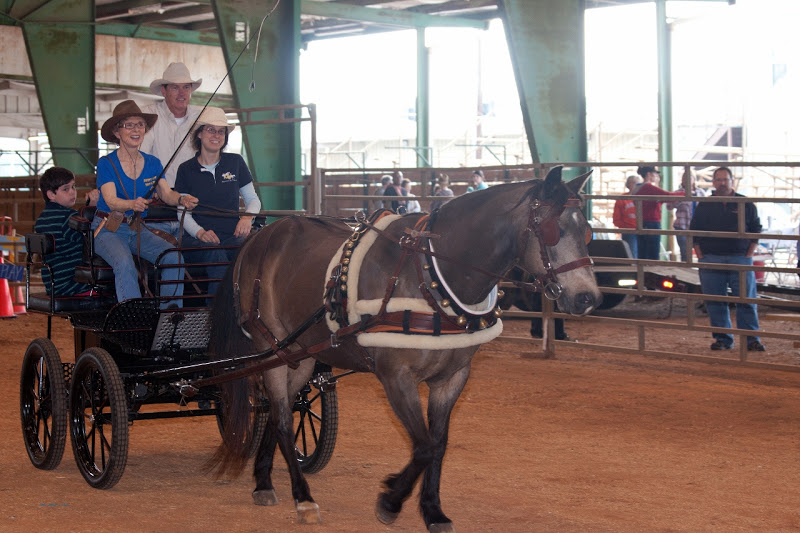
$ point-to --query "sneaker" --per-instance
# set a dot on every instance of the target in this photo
(719, 345)
(755, 346)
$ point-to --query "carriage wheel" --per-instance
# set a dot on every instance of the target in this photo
(98, 419)
(43, 404)
(259, 414)
(316, 415)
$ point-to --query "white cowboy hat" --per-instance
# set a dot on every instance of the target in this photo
(176, 73)
(213, 116)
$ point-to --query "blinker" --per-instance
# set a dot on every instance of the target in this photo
(550, 232)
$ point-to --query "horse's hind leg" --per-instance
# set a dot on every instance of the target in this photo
(264, 493)
(442, 398)
(307, 509)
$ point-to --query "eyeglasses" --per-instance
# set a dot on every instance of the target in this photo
(132, 125)
(215, 131)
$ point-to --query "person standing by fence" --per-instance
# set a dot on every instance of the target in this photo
(625, 215)
(724, 216)
(649, 245)
(684, 211)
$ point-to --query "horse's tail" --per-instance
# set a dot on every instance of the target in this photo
(227, 340)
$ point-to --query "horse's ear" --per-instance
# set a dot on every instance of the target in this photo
(552, 181)
(577, 184)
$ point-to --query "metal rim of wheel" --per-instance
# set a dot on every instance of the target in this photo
(43, 404)
(98, 419)
(317, 421)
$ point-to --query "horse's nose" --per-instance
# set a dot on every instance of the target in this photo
(585, 301)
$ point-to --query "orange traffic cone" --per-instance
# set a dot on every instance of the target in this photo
(6, 306)
(19, 307)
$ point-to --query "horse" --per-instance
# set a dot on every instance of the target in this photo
(424, 293)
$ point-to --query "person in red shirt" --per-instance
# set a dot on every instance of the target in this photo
(649, 245)
(625, 215)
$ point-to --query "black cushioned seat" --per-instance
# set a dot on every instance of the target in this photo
(44, 244)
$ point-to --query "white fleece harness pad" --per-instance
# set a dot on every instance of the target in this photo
(357, 308)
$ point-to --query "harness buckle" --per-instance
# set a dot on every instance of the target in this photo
(553, 290)
(334, 344)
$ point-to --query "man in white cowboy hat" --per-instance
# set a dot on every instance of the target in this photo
(175, 118)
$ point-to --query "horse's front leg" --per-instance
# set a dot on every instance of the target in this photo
(401, 391)
(441, 400)
(307, 509)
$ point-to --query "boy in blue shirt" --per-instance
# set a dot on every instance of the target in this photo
(58, 188)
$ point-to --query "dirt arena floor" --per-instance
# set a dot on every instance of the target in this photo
(588, 441)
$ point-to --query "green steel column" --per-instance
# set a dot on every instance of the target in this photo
(664, 106)
(273, 150)
(59, 37)
(546, 41)
(664, 90)
(423, 102)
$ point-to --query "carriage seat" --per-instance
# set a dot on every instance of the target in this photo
(44, 244)
(95, 270)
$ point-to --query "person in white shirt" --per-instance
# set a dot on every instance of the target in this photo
(412, 206)
(175, 119)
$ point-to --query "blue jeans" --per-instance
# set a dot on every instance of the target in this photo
(717, 282)
(681, 245)
(118, 248)
(633, 240)
(212, 254)
(649, 245)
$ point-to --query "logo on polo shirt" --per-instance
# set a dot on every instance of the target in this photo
(228, 177)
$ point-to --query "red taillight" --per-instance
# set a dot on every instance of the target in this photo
(667, 284)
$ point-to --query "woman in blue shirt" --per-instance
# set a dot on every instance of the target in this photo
(124, 177)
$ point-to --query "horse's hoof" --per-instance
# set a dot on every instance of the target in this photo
(308, 513)
(265, 497)
(446, 527)
(386, 517)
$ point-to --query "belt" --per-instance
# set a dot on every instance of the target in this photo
(102, 214)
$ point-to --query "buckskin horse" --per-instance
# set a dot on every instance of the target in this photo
(409, 298)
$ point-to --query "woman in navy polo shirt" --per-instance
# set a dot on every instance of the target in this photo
(217, 179)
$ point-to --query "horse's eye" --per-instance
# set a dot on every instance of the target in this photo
(588, 235)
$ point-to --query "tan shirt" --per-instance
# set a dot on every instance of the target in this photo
(166, 135)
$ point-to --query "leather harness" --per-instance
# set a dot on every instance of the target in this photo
(542, 225)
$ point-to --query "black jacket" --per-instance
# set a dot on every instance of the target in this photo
(723, 216)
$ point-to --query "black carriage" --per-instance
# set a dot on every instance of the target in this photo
(134, 354)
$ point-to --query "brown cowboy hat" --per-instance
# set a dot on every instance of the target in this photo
(124, 110)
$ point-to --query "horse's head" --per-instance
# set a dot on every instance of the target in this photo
(557, 236)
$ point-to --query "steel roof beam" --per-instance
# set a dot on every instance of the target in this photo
(388, 17)
(210, 38)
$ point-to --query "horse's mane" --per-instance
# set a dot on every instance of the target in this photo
(534, 190)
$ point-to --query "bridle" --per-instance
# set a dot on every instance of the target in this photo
(544, 226)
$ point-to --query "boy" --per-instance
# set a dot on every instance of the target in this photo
(58, 188)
